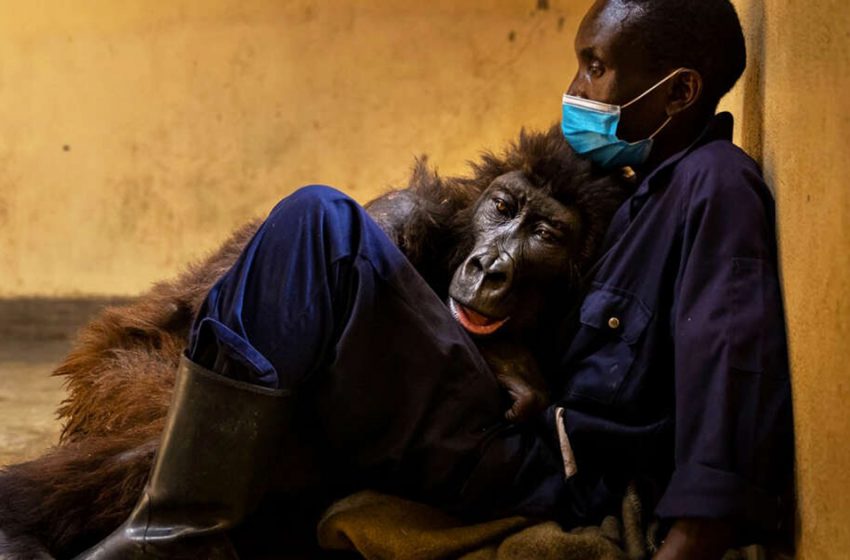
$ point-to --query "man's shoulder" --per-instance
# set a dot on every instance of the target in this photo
(719, 170)
(720, 151)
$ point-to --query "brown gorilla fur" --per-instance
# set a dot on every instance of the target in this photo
(120, 373)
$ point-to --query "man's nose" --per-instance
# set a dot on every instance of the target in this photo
(576, 88)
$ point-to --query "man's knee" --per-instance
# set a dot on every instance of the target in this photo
(316, 219)
(310, 199)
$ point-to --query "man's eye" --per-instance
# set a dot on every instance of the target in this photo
(501, 206)
(595, 69)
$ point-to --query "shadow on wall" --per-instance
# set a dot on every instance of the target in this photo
(752, 110)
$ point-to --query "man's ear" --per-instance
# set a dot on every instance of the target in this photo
(685, 90)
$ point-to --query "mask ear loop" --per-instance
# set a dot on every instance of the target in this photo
(650, 90)
(653, 88)
(660, 128)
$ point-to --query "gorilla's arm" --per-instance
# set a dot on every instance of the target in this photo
(428, 221)
(392, 211)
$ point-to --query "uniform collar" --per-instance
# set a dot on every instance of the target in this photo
(719, 128)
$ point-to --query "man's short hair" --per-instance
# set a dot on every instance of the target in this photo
(704, 35)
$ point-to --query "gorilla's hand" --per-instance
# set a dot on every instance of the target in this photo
(517, 371)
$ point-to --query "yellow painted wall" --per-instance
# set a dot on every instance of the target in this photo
(135, 135)
(795, 114)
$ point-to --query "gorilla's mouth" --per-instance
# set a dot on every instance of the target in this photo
(474, 322)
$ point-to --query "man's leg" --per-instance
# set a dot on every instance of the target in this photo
(388, 384)
(382, 389)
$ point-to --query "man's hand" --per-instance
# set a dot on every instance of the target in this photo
(696, 539)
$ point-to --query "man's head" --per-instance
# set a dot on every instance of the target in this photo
(624, 47)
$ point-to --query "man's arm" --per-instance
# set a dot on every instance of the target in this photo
(733, 428)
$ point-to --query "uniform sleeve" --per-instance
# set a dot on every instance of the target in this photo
(733, 426)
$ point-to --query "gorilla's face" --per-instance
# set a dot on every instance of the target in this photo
(521, 263)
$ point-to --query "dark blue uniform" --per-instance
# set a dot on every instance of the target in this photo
(677, 374)
(679, 369)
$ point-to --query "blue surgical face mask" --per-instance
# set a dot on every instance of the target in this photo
(590, 127)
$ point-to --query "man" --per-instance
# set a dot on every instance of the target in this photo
(689, 280)
(323, 346)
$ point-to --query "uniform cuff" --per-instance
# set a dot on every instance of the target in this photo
(704, 492)
(215, 335)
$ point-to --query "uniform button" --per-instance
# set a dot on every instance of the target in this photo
(614, 323)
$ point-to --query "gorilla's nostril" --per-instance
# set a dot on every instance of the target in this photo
(496, 278)
(474, 265)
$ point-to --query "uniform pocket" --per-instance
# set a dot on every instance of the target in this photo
(612, 322)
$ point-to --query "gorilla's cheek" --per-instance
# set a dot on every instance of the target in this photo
(533, 303)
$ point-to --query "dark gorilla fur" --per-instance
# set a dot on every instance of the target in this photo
(120, 373)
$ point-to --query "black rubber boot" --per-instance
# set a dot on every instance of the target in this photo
(210, 471)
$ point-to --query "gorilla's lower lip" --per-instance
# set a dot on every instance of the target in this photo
(474, 322)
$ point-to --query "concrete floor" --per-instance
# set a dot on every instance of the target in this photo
(35, 334)
(28, 397)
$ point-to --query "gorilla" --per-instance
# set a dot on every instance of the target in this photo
(504, 247)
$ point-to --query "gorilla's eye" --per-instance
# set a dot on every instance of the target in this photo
(545, 235)
(502, 207)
